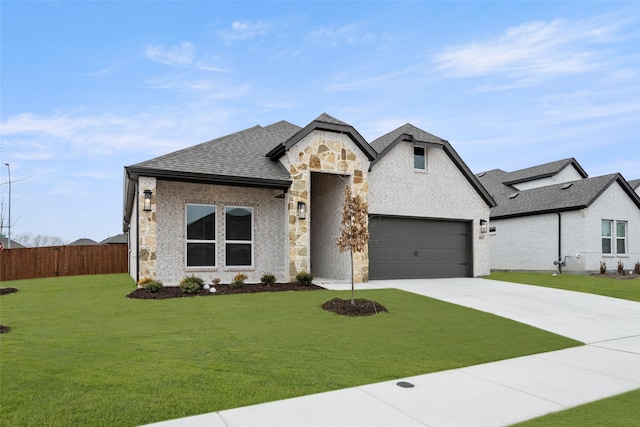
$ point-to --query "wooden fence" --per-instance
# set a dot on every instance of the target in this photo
(52, 261)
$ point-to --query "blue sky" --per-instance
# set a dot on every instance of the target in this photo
(89, 87)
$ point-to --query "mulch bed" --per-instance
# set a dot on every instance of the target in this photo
(175, 292)
(362, 307)
(618, 276)
(4, 329)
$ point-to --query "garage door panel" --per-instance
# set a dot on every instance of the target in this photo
(418, 248)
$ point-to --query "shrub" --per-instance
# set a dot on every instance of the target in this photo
(238, 280)
(152, 286)
(142, 282)
(620, 267)
(603, 267)
(304, 278)
(191, 285)
(636, 268)
(268, 279)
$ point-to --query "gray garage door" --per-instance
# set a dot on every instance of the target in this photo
(415, 248)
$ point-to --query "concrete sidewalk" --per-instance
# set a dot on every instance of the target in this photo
(492, 394)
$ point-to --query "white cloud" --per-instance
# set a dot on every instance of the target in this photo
(529, 52)
(177, 56)
(348, 34)
(244, 30)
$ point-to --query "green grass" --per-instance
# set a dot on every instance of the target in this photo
(619, 411)
(617, 288)
(80, 353)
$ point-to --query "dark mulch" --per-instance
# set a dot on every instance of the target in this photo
(362, 307)
(7, 290)
(175, 292)
(618, 276)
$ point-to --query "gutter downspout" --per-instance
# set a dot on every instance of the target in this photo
(559, 242)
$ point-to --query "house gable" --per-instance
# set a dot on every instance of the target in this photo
(417, 137)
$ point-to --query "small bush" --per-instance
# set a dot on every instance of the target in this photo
(191, 285)
(304, 278)
(142, 282)
(636, 268)
(152, 286)
(238, 280)
(268, 279)
(620, 267)
(603, 267)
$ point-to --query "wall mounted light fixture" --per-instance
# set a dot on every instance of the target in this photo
(302, 210)
(147, 200)
(483, 226)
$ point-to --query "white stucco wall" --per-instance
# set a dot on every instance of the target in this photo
(270, 243)
(531, 243)
(442, 191)
(567, 174)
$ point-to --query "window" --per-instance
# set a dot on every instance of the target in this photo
(201, 236)
(238, 236)
(419, 158)
(606, 236)
(621, 237)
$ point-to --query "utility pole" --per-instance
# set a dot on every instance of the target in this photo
(9, 226)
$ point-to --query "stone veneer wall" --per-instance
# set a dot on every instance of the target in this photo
(326, 152)
(147, 229)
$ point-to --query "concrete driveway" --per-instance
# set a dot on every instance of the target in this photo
(493, 394)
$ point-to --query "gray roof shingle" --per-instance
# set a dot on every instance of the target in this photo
(558, 197)
(385, 141)
(543, 171)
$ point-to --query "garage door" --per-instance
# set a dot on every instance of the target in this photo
(415, 248)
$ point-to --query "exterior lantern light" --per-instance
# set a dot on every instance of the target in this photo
(147, 200)
(483, 226)
(302, 210)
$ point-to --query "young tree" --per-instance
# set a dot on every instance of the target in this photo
(354, 235)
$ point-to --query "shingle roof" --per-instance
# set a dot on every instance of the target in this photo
(634, 183)
(543, 171)
(14, 244)
(385, 141)
(83, 242)
(553, 198)
(117, 239)
(240, 155)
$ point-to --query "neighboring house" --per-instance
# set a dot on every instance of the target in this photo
(119, 239)
(269, 200)
(83, 242)
(635, 184)
(4, 241)
(552, 217)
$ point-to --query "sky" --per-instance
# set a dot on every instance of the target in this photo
(87, 88)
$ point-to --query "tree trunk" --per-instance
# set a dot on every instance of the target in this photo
(353, 279)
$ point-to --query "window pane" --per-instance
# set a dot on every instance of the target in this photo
(238, 224)
(418, 158)
(621, 229)
(201, 254)
(606, 228)
(606, 246)
(238, 254)
(620, 247)
(201, 222)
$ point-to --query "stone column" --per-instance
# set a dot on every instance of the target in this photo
(147, 244)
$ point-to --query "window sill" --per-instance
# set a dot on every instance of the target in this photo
(240, 268)
(420, 170)
(194, 269)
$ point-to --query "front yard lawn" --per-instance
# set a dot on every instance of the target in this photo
(601, 285)
(80, 353)
(621, 410)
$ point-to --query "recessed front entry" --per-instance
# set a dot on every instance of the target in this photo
(415, 248)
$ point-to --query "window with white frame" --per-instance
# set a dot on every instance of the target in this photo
(621, 237)
(201, 235)
(607, 227)
(419, 158)
(238, 236)
(614, 237)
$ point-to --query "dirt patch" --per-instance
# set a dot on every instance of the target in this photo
(362, 307)
(4, 291)
(4, 329)
(175, 292)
